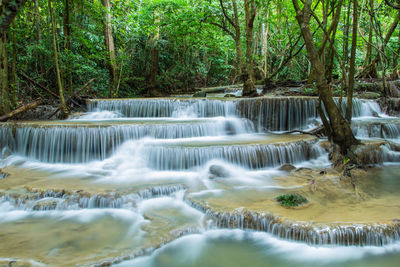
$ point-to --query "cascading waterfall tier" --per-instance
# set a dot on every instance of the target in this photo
(376, 128)
(136, 108)
(138, 158)
(248, 156)
(345, 235)
(270, 114)
(39, 200)
(77, 143)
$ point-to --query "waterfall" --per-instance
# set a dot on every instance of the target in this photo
(166, 107)
(345, 235)
(249, 156)
(279, 114)
(74, 144)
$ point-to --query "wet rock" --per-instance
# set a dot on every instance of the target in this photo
(45, 205)
(3, 174)
(5, 153)
(287, 167)
(217, 171)
(200, 94)
(229, 128)
(229, 95)
(369, 95)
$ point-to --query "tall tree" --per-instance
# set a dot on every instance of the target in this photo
(154, 89)
(8, 11)
(235, 34)
(67, 45)
(64, 108)
(350, 85)
(249, 88)
(110, 46)
(338, 128)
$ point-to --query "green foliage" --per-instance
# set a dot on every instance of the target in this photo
(291, 200)
(195, 45)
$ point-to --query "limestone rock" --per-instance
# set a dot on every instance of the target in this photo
(3, 174)
(217, 171)
(287, 167)
(229, 95)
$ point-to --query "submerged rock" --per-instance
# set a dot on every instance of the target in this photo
(287, 168)
(3, 174)
(217, 171)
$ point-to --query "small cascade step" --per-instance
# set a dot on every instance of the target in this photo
(267, 113)
(387, 128)
(81, 142)
(173, 107)
(270, 153)
(41, 200)
(345, 235)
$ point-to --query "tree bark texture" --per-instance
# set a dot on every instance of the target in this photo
(64, 109)
(249, 88)
(109, 41)
(352, 71)
(339, 127)
(4, 92)
(154, 89)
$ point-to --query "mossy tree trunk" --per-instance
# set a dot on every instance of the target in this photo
(249, 88)
(64, 108)
(340, 130)
(110, 46)
(154, 89)
(352, 71)
(8, 11)
(4, 92)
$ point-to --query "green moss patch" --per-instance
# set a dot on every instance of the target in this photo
(291, 200)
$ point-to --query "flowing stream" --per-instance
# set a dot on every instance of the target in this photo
(193, 182)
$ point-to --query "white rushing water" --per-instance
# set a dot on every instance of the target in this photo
(237, 247)
(164, 152)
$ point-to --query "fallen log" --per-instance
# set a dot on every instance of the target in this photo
(22, 109)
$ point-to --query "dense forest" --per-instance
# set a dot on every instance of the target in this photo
(50, 49)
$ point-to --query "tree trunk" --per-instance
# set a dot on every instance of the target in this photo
(109, 40)
(339, 127)
(346, 36)
(8, 11)
(238, 43)
(154, 89)
(371, 67)
(40, 58)
(13, 82)
(4, 97)
(67, 45)
(330, 55)
(368, 56)
(64, 109)
(249, 88)
(350, 85)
